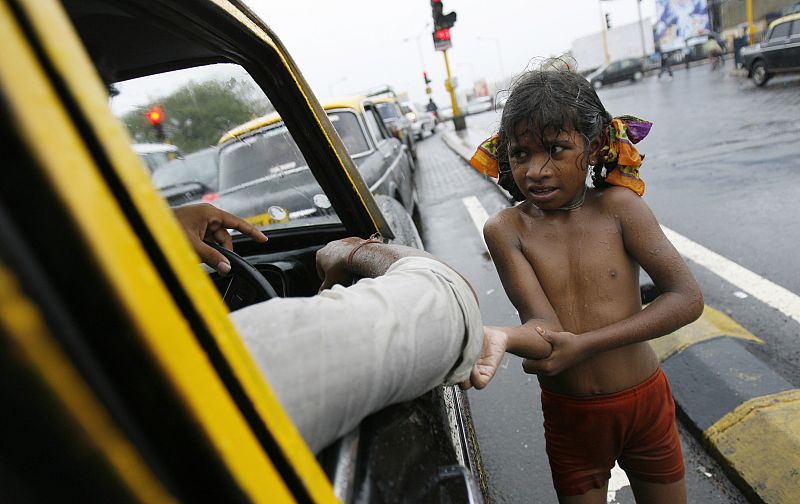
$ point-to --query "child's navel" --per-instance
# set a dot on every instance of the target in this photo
(612, 273)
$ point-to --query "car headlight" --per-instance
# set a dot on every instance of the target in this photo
(322, 201)
(278, 214)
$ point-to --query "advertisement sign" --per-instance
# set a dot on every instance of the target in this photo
(678, 20)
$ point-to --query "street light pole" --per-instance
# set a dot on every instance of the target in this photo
(607, 59)
(641, 28)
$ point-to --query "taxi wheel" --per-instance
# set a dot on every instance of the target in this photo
(760, 75)
(412, 149)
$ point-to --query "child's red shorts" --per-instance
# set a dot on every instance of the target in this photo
(636, 426)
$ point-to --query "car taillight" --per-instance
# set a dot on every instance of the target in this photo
(210, 197)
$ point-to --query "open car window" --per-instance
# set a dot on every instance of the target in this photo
(236, 153)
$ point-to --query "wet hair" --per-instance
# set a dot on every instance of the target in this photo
(550, 100)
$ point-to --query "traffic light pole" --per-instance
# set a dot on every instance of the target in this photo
(458, 120)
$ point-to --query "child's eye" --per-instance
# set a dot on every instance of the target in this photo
(556, 149)
(518, 154)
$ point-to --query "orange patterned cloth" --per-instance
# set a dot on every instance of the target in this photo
(620, 157)
(485, 158)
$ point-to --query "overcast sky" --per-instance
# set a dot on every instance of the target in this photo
(345, 46)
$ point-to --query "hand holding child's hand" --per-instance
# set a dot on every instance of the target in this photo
(567, 351)
(492, 352)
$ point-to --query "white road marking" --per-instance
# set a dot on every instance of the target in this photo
(618, 481)
(767, 292)
(477, 213)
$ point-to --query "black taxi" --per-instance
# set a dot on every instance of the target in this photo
(123, 378)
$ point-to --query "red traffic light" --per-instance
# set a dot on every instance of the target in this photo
(155, 115)
(442, 35)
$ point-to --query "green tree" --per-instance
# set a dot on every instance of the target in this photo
(199, 113)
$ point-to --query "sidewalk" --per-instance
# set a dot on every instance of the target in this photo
(746, 415)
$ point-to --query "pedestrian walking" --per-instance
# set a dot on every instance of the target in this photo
(665, 66)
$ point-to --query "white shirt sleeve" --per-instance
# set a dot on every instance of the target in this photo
(335, 358)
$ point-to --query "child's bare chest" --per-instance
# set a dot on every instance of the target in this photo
(582, 265)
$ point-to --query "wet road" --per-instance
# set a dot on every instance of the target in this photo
(722, 168)
(507, 415)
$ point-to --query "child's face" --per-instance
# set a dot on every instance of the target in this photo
(549, 169)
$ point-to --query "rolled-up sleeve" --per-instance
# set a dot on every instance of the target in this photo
(334, 358)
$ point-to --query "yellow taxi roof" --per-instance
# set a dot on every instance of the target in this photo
(384, 99)
(250, 126)
(352, 102)
(790, 17)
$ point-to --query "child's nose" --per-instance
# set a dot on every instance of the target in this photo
(539, 167)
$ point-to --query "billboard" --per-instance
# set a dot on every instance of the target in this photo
(678, 20)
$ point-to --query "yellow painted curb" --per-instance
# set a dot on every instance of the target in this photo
(712, 324)
(760, 442)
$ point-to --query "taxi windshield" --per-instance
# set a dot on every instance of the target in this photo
(387, 110)
(257, 171)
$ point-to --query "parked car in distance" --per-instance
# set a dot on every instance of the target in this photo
(155, 154)
(422, 121)
(778, 53)
(189, 179)
(264, 178)
(478, 105)
(628, 69)
(394, 117)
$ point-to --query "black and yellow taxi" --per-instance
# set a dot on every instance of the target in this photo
(264, 178)
(778, 53)
(123, 379)
(395, 119)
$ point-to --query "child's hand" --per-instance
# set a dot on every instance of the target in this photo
(492, 352)
(567, 351)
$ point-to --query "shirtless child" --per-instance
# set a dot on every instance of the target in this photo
(569, 257)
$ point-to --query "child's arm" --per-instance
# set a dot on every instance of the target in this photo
(680, 302)
(523, 289)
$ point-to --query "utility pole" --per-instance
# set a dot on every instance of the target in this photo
(607, 59)
(641, 28)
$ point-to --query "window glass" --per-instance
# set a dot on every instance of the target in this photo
(780, 31)
(350, 131)
(215, 138)
(372, 125)
(387, 110)
(796, 28)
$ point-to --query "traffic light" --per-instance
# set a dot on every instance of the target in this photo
(608, 21)
(155, 116)
(425, 76)
(441, 20)
(441, 39)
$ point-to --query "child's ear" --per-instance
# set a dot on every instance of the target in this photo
(594, 151)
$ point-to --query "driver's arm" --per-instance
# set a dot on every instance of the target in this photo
(207, 222)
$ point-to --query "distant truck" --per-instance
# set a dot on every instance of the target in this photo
(623, 42)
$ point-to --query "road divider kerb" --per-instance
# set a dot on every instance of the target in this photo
(760, 442)
(711, 324)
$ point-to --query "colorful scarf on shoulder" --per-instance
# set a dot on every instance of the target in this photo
(620, 158)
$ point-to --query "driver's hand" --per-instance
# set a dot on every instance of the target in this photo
(207, 222)
(332, 262)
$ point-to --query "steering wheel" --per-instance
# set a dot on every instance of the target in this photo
(252, 286)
